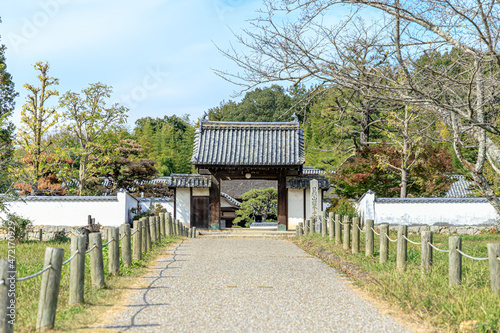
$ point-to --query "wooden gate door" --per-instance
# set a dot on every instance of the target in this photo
(199, 212)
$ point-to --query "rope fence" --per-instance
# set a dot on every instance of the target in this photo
(34, 275)
(71, 258)
(349, 239)
(119, 255)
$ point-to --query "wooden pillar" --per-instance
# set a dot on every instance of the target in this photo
(282, 203)
(214, 203)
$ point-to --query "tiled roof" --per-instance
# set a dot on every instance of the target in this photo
(460, 188)
(430, 200)
(231, 199)
(302, 182)
(263, 144)
(69, 198)
(309, 170)
(185, 180)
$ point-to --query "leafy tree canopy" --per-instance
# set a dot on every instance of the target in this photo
(260, 203)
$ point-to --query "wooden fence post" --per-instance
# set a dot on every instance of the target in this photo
(369, 245)
(162, 225)
(402, 248)
(152, 229)
(125, 245)
(426, 255)
(49, 291)
(144, 234)
(7, 300)
(355, 235)
(455, 260)
(137, 255)
(96, 261)
(40, 235)
(299, 229)
(147, 229)
(494, 255)
(347, 233)
(324, 224)
(194, 232)
(306, 227)
(338, 229)
(170, 230)
(384, 243)
(158, 229)
(77, 269)
(113, 251)
(331, 228)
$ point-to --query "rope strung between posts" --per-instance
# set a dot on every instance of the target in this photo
(445, 251)
(93, 247)
(2, 282)
(122, 237)
(416, 243)
(134, 232)
(376, 233)
(360, 228)
(389, 238)
(34, 275)
(470, 257)
(74, 254)
(112, 239)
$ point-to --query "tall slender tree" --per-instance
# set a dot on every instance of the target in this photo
(37, 119)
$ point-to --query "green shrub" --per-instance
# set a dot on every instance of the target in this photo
(16, 224)
(343, 207)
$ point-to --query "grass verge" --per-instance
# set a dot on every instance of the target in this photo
(470, 307)
(30, 257)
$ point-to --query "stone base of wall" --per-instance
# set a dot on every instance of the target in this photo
(448, 230)
(51, 232)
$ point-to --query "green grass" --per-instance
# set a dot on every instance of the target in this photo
(30, 258)
(430, 297)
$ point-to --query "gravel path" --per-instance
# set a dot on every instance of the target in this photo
(247, 285)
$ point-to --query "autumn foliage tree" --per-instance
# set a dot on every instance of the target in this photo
(431, 175)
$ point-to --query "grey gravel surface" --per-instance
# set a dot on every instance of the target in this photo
(247, 285)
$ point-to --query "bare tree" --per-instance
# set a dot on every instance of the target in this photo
(446, 51)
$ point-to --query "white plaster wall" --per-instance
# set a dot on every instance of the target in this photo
(201, 192)
(183, 206)
(73, 213)
(308, 203)
(476, 213)
(168, 205)
(295, 208)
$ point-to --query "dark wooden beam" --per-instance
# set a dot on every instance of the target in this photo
(214, 203)
(175, 203)
(282, 202)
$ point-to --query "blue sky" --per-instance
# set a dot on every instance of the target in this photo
(157, 54)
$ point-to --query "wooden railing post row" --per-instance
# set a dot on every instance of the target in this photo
(331, 228)
(77, 270)
(338, 229)
(455, 260)
(355, 235)
(347, 233)
(137, 252)
(426, 255)
(125, 245)
(369, 240)
(49, 291)
(494, 261)
(7, 299)
(402, 248)
(113, 251)
(96, 260)
(384, 243)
